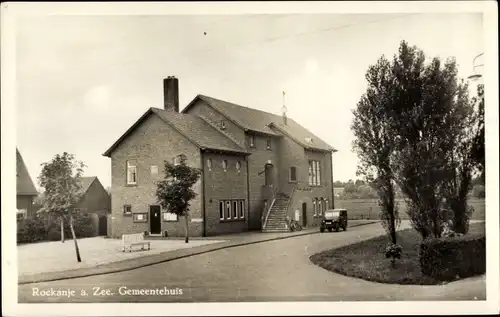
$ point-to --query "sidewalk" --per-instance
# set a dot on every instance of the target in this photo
(115, 262)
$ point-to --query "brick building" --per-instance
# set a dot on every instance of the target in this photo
(26, 191)
(96, 202)
(257, 168)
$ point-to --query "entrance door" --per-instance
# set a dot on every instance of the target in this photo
(268, 173)
(103, 225)
(155, 219)
(304, 214)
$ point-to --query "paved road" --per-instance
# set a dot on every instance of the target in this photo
(270, 271)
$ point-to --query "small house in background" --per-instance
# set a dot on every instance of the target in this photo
(26, 191)
(338, 191)
(96, 202)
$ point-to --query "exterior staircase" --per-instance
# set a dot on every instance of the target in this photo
(276, 221)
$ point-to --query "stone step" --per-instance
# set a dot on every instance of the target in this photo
(276, 222)
(275, 230)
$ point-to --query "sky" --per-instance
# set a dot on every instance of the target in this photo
(82, 81)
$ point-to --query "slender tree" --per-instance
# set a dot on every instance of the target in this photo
(430, 103)
(175, 191)
(467, 157)
(61, 179)
(374, 141)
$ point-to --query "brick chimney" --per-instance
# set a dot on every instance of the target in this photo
(171, 93)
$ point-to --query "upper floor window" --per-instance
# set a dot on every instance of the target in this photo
(224, 165)
(209, 164)
(131, 173)
(293, 174)
(154, 170)
(177, 160)
(314, 173)
(222, 124)
(268, 143)
(238, 166)
(127, 210)
(251, 140)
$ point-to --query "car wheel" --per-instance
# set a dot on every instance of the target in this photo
(345, 228)
(322, 229)
(330, 229)
(337, 229)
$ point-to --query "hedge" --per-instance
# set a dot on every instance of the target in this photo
(45, 227)
(445, 259)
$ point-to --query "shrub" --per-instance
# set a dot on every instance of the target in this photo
(82, 223)
(449, 258)
(30, 230)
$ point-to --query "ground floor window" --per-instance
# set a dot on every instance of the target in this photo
(167, 216)
(233, 209)
(22, 214)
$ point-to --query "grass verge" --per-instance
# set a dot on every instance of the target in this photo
(366, 259)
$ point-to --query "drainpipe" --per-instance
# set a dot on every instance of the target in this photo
(248, 193)
(331, 174)
(204, 227)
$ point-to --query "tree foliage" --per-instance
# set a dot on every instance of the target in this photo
(374, 142)
(416, 129)
(175, 191)
(61, 180)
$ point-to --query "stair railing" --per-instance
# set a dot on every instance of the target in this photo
(288, 205)
(268, 211)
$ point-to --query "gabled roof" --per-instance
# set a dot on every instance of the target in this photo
(195, 129)
(25, 185)
(302, 136)
(260, 121)
(86, 182)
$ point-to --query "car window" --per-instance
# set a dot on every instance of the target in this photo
(332, 214)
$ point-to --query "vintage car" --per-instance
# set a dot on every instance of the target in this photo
(334, 219)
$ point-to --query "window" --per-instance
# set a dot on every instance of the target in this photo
(228, 210)
(167, 216)
(131, 173)
(268, 144)
(251, 141)
(293, 174)
(154, 170)
(209, 164)
(235, 209)
(232, 210)
(221, 210)
(177, 160)
(127, 210)
(319, 207)
(238, 166)
(315, 206)
(222, 124)
(21, 214)
(224, 165)
(326, 204)
(242, 209)
(140, 217)
(314, 173)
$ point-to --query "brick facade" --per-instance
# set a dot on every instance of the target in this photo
(150, 143)
(224, 185)
(263, 171)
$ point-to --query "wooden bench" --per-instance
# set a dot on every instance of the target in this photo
(129, 240)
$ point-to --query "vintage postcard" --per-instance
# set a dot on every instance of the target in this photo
(277, 158)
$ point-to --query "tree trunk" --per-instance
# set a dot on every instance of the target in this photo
(62, 229)
(74, 239)
(186, 222)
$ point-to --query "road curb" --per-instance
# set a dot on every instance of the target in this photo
(132, 264)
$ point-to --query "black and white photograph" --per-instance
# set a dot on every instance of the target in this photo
(291, 158)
